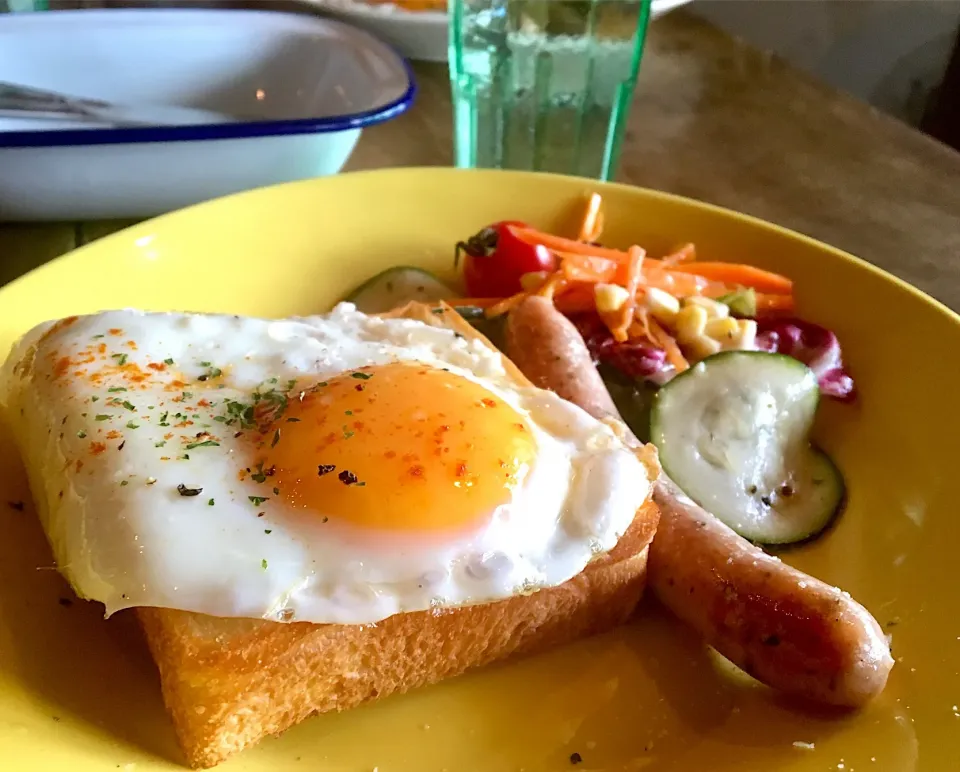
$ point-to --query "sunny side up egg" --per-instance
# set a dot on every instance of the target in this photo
(339, 468)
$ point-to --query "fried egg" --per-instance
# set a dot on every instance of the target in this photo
(339, 468)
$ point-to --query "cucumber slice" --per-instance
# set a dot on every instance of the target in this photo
(733, 433)
(742, 302)
(400, 285)
(396, 287)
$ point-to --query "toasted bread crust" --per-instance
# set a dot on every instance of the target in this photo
(228, 683)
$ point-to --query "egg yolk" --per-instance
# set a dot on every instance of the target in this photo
(400, 447)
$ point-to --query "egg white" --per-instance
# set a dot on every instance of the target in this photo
(124, 535)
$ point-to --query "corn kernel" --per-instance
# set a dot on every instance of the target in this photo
(610, 297)
(691, 323)
(662, 305)
(702, 347)
(746, 339)
(533, 280)
(714, 309)
(725, 330)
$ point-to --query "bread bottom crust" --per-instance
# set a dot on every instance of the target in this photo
(228, 683)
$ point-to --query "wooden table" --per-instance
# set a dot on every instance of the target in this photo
(722, 122)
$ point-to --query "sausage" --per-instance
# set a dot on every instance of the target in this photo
(549, 350)
(785, 628)
(788, 630)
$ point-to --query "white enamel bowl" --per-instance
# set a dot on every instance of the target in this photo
(305, 87)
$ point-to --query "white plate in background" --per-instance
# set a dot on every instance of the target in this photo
(306, 86)
(420, 35)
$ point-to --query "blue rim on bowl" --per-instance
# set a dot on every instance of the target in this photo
(238, 130)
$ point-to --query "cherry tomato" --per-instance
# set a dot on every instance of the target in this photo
(496, 258)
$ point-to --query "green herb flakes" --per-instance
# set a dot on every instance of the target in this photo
(237, 411)
(203, 444)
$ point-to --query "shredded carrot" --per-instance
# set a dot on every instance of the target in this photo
(679, 285)
(586, 268)
(578, 298)
(713, 289)
(564, 246)
(554, 282)
(533, 280)
(640, 327)
(501, 307)
(632, 281)
(774, 303)
(666, 341)
(610, 320)
(744, 275)
(685, 254)
(588, 229)
(598, 227)
(655, 274)
(551, 285)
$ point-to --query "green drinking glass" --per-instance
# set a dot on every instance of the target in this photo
(544, 85)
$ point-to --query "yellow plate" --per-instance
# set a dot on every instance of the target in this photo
(79, 694)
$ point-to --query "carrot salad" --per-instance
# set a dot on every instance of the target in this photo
(663, 312)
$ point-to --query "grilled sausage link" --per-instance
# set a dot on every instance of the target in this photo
(788, 630)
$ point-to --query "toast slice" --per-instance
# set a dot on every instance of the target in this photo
(228, 683)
